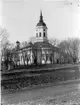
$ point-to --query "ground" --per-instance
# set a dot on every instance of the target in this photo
(42, 67)
(67, 93)
(64, 93)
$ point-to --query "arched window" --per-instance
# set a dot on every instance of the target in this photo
(44, 34)
(40, 34)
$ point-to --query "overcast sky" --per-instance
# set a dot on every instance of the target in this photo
(20, 17)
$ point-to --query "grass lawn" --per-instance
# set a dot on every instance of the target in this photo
(41, 67)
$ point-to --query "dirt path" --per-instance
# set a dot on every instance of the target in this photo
(43, 95)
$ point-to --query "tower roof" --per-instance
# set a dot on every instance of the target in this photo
(41, 22)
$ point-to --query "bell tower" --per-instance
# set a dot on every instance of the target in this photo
(41, 29)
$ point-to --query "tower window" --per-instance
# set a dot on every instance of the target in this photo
(44, 29)
(44, 34)
(36, 34)
(40, 34)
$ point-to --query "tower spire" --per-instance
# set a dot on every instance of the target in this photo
(41, 17)
(41, 13)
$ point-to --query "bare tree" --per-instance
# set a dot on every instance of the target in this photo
(74, 48)
(24, 44)
(5, 48)
(70, 48)
(4, 37)
(54, 41)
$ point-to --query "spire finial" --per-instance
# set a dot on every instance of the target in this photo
(41, 17)
(40, 12)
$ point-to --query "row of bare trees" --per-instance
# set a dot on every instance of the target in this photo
(70, 48)
(6, 48)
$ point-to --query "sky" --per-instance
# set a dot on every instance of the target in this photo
(20, 17)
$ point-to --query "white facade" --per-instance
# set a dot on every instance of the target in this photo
(41, 33)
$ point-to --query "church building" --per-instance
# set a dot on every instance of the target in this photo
(40, 51)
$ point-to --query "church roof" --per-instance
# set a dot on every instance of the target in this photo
(30, 45)
(39, 45)
(17, 41)
(43, 44)
(41, 22)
